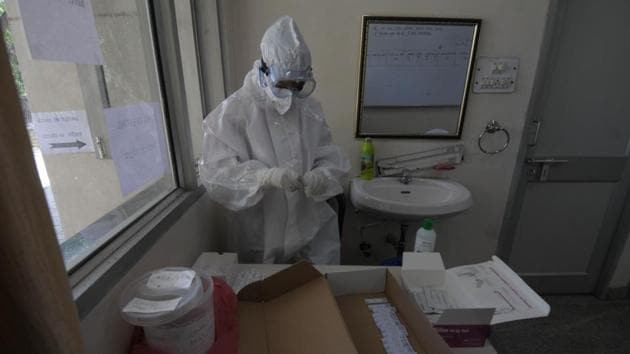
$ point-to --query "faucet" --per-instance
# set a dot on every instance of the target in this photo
(405, 178)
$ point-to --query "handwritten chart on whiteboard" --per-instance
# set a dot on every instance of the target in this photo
(416, 65)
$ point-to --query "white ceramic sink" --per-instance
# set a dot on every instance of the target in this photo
(420, 198)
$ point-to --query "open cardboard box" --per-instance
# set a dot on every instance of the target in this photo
(298, 310)
(468, 299)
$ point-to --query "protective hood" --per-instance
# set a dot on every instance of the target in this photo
(283, 46)
(283, 49)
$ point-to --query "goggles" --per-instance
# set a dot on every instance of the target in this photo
(299, 82)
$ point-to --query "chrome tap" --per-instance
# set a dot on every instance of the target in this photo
(405, 177)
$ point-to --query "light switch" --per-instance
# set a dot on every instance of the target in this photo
(495, 74)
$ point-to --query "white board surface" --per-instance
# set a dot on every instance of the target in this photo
(416, 65)
(61, 30)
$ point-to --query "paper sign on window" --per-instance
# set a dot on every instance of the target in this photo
(137, 144)
(61, 30)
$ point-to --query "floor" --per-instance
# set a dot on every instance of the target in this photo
(577, 324)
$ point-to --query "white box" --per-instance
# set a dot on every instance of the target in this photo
(422, 269)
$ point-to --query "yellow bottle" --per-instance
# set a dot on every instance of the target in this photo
(367, 159)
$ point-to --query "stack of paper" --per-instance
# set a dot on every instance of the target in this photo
(393, 332)
(490, 284)
(433, 300)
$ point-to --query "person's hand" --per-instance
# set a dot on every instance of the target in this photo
(280, 177)
(314, 184)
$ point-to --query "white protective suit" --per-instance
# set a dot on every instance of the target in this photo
(253, 131)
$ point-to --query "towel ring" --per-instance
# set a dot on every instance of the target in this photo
(492, 127)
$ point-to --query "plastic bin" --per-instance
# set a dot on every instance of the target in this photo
(174, 306)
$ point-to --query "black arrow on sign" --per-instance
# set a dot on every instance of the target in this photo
(78, 144)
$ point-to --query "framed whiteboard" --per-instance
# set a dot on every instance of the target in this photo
(420, 66)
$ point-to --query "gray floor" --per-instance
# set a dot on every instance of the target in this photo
(577, 324)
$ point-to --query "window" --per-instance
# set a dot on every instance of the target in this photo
(96, 116)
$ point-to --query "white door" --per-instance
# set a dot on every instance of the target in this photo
(575, 187)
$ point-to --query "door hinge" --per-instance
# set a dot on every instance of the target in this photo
(534, 130)
(100, 149)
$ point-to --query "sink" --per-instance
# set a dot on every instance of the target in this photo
(422, 197)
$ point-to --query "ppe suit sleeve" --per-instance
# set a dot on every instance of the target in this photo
(226, 171)
(329, 160)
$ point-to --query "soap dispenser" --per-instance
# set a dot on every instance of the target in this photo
(425, 237)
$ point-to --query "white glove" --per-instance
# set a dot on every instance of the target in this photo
(314, 184)
(280, 177)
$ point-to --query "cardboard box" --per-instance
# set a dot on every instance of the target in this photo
(292, 311)
(298, 310)
(353, 287)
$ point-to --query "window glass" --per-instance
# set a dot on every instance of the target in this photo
(89, 86)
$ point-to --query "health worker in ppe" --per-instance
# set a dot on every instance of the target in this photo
(268, 156)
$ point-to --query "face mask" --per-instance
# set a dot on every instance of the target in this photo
(281, 99)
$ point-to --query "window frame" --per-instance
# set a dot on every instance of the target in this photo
(92, 279)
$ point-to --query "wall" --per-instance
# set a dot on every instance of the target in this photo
(621, 276)
(332, 29)
(103, 330)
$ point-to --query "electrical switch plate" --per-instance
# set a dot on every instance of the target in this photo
(495, 74)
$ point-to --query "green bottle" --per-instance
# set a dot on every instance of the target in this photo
(367, 159)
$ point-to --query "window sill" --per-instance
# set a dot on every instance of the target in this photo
(94, 279)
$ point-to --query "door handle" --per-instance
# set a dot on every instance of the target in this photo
(550, 161)
(545, 166)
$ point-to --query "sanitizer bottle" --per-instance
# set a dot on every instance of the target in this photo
(425, 237)
(367, 159)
